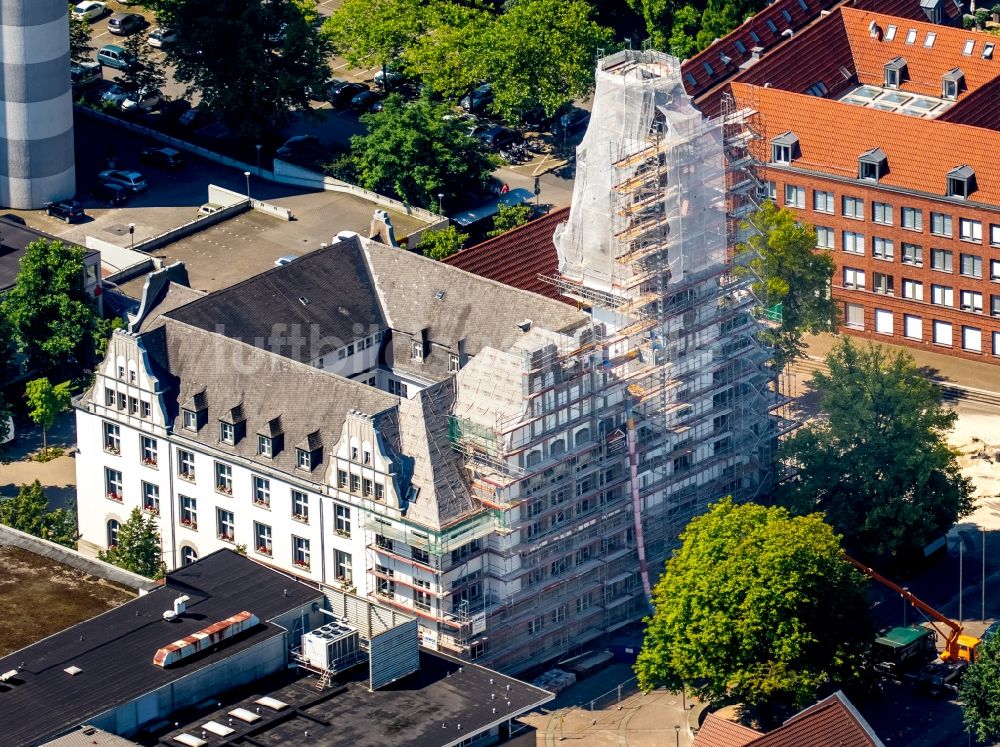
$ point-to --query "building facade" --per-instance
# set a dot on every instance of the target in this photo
(511, 469)
(37, 162)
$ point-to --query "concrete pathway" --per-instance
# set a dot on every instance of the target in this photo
(58, 476)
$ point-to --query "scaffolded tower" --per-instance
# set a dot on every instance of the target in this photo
(610, 440)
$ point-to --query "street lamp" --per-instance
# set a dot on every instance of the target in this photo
(258, 146)
(905, 588)
(131, 233)
(440, 198)
(677, 735)
(247, 175)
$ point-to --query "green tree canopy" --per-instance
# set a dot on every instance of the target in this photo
(758, 606)
(138, 549)
(415, 152)
(374, 33)
(254, 63)
(28, 512)
(686, 27)
(541, 53)
(878, 464)
(979, 693)
(789, 270)
(147, 75)
(52, 318)
(447, 57)
(441, 244)
(79, 39)
(45, 402)
(509, 217)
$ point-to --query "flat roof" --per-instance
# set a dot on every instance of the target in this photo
(14, 240)
(442, 703)
(114, 650)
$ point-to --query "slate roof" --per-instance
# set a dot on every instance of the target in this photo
(518, 257)
(14, 240)
(201, 368)
(920, 152)
(325, 295)
(115, 649)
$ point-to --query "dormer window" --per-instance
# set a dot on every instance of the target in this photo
(190, 420)
(303, 459)
(417, 350)
(454, 363)
(227, 433)
(932, 9)
(895, 72)
(951, 84)
(961, 182)
(872, 165)
(265, 446)
(784, 148)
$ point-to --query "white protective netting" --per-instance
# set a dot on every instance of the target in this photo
(639, 104)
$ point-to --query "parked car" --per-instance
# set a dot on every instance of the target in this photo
(161, 37)
(395, 77)
(209, 208)
(70, 211)
(145, 100)
(572, 121)
(477, 99)
(364, 100)
(114, 56)
(112, 194)
(165, 158)
(342, 95)
(115, 94)
(496, 138)
(193, 118)
(89, 10)
(332, 85)
(13, 219)
(167, 116)
(123, 24)
(84, 74)
(132, 180)
(297, 146)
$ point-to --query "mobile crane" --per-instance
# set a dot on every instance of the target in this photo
(958, 647)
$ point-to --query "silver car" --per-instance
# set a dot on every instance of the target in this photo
(129, 179)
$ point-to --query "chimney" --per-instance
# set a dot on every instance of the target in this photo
(381, 228)
(180, 604)
(756, 52)
(525, 325)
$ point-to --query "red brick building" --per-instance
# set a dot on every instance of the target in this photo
(883, 132)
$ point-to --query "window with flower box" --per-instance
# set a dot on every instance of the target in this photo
(112, 439)
(147, 450)
(151, 498)
(261, 491)
(223, 478)
(113, 484)
(342, 519)
(300, 506)
(185, 464)
(342, 563)
(225, 525)
(300, 552)
(262, 539)
(189, 512)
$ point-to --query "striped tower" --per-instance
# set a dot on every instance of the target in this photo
(36, 104)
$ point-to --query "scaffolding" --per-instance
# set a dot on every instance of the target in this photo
(666, 403)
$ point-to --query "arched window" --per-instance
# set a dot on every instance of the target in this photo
(582, 436)
(534, 457)
(188, 555)
(558, 447)
(113, 527)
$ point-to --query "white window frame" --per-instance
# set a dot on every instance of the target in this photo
(823, 201)
(942, 295)
(913, 327)
(970, 300)
(970, 230)
(795, 196)
(913, 290)
(972, 339)
(853, 207)
(942, 333)
(883, 321)
(912, 219)
(853, 242)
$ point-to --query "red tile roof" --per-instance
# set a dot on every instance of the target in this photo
(518, 257)
(920, 151)
(833, 722)
(718, 732)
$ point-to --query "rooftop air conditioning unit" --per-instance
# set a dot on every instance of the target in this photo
(333, 646)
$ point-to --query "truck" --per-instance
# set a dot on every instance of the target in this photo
(910, 653)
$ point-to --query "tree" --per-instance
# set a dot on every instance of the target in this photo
(446, 57)
(683, 33)
(878, 464)
(79, 39)
(541, 53)
(373, 33)
(27, 513)
(146, 74)
(254, 63)
(415, 151)
(509, 217)
(46, 402)
(51, 316)
(441, 244)
(792, 279)
(138, 549)
(757, 606)
(979, 692)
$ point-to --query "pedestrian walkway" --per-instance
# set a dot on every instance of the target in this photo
(57, 476)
